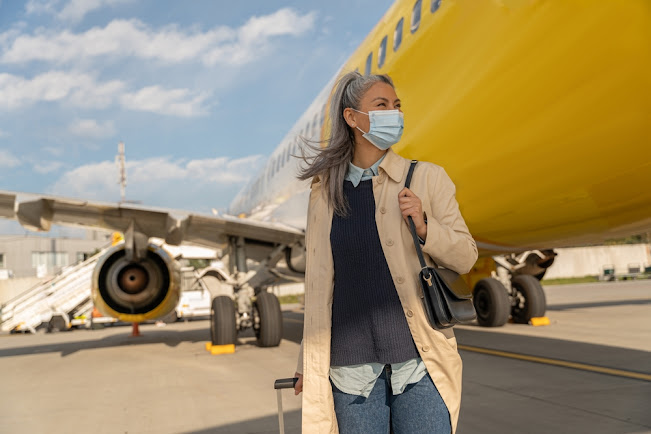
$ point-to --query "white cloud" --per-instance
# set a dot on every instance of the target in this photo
(78, 88)
(41, 6)
(8, 160)
(83, 90)
(73, 10)
(133, 38)
(91, 129)
(224, 170)
(47, 167)
(160, 181)
(178, 102)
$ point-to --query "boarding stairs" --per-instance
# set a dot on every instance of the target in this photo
(63, 297)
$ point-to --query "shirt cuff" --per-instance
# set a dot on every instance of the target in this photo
(420, 240)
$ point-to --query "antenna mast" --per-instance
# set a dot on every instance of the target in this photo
(120, 160)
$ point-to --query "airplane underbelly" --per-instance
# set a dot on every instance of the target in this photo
(541, 114)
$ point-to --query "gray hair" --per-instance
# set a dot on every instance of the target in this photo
(330, 163)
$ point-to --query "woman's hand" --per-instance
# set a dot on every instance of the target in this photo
(298, 387)
(410, 205)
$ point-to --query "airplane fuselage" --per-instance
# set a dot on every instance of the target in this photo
(538, 111)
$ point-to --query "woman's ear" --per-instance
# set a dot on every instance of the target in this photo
(349, 117)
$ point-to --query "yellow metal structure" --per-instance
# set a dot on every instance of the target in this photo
(539, 321)
(220, 349)
(540, 111)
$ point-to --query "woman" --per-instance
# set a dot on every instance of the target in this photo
(369, 359)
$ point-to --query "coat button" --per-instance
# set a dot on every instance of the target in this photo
(400, 279)
(426, 348)
(410, 313)
(383, 210)
(389, 242)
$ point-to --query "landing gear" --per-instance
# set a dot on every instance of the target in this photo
(248, 304)
(524, 299)
(491, 303)
(267, 320)
(528, 299)
(223, 330)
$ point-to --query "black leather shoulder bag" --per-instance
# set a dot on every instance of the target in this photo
(447, 300)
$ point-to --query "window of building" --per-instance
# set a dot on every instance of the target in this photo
(415, 16)
(436, 4)
(382, 52)
(323, 109)
(397, 35)
(369, 63)
(49, 259)
(315, 123)
(2, 260)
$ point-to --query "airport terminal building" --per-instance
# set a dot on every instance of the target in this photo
(25, 256)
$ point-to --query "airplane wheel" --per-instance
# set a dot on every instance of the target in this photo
(491, 303)
(530, 299)
(269, 328)
(223, 330)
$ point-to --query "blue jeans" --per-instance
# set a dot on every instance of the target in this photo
(419, 409)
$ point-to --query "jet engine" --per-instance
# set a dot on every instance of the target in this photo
(136, 290)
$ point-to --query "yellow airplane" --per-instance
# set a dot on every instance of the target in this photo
(539, 110)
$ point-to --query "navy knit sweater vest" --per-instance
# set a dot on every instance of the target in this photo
(368, 323)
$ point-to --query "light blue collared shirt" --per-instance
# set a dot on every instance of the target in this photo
(360, 379)
(357, 174)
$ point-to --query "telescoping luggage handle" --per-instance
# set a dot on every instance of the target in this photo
(283, 383)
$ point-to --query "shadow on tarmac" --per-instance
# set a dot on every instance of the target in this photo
(599, 304)
(293, 331)
(261, 425)
(570, 351)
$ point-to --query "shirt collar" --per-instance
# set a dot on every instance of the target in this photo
(393, 164)
(355, 174)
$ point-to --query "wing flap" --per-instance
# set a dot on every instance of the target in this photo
(39, 212)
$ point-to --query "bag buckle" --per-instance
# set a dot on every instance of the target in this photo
(429, 275)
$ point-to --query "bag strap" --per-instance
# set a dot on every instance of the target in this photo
(412, 227)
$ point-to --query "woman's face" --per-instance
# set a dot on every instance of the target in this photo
(380, 96)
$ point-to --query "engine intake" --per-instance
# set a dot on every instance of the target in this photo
(136, 291)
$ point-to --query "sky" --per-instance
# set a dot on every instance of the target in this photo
(200, 91)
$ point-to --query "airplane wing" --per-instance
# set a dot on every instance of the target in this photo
(39, 212)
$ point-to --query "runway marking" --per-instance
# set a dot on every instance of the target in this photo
(556, 362)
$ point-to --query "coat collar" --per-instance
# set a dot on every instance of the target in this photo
(394, 165)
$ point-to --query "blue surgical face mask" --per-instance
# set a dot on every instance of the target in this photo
(385, 129)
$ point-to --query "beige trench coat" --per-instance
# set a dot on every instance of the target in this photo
(448, 243)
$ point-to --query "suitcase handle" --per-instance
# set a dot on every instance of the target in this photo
(285, 383)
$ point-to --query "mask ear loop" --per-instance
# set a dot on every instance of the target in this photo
(363, 114)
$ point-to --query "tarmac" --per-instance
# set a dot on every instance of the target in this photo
(533, 380)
